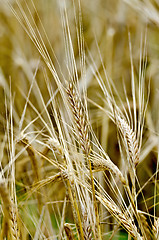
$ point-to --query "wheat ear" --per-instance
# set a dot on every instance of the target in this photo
(83, 135)
(155, 228)
(122, 218)
(10, 214)
(145, 226)
(68, 231)
(79, 118)
(131, 141)
(132, 150)
(33, 159)
(101, 164)
(86, 227)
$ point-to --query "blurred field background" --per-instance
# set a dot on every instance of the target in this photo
(109, 29)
